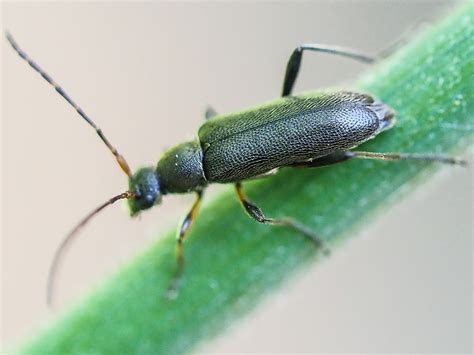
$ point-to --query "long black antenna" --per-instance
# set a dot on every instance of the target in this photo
(58, 256)
(120, 159)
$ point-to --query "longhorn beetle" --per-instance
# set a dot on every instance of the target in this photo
(309, 130)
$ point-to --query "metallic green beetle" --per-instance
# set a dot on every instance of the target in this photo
(307, 130)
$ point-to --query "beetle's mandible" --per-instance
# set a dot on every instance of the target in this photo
(307, 131)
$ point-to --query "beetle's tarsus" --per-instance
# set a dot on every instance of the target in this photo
(290, 222)
(440, 158)
(172, 291)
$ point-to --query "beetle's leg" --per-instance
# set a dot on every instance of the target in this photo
(256, 213)
(441, 158)
(182, 232)
(210, 113)
(339, 157)
(294, 62)
(334, 158)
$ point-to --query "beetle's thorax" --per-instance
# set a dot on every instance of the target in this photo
(180, 169)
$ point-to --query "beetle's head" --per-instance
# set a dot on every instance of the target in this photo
(146, 188)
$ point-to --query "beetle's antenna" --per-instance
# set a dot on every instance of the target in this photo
(120, 159)
(69, 238)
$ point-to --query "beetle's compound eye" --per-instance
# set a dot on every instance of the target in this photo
(149, 199)
(138, 193)
(144, 183)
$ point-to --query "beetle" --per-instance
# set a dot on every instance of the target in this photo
(308, 130)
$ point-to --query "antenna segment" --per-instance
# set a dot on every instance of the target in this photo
(120, 159)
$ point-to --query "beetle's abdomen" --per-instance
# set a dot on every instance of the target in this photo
(289, 130)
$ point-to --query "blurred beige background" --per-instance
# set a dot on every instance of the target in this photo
(145, 72)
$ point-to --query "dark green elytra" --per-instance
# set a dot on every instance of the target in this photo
(253, 142)
(286, 131)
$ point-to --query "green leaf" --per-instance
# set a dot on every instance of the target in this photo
(232, 262)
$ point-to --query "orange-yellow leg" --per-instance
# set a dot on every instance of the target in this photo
(182, 232)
